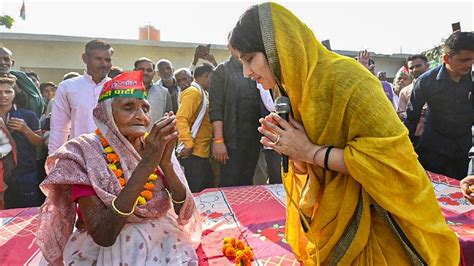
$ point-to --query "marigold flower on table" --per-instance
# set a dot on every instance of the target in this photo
(248, 252)
(239, 244)
(241, 258)
(108, 149)
(225, 247)
(228, 240)
(230, 252)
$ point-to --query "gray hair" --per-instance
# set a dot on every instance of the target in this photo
(185, 70)
(161, 61)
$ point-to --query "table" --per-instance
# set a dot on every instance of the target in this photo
(253, 213)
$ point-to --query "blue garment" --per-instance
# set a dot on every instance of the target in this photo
(444, 145)
(26, 156)
(23, 183)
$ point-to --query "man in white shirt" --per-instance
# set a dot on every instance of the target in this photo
(75, 98)
(167, 81)
(158, 96)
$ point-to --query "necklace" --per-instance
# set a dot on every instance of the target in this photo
(113, 161)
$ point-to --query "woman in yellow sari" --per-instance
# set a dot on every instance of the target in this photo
(356, 193)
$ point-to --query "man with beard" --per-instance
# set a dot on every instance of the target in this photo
(444, 145)
(30, 97)
(76, 97)
(183, 78)
(167, 81)
(158, 97)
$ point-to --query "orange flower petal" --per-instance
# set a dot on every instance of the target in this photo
(118, 173)
(147, 194)
(149, 186)
(230, 252)
(122, 181)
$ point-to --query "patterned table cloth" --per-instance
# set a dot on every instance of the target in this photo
(255, 214)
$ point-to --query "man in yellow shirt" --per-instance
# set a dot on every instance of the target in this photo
(195, 130)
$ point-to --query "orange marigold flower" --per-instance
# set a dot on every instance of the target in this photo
(229, 252)
(241, 258)
(118, 172)
(112, 158)
(146, 194)
(225, 246)
(97, 132)
(248, 252)
(122, 181)
(239, 244)
(103, 141)
(149, 186)
(227, 240)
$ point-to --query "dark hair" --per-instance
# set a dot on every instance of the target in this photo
(246, 37)
(98, 45)
(115, 71)
(32, 74)
(202, 69)
(459, 41)
(70, 75)
(143, 59)
(47, 84)
(20, 97)
(8, 80)
(416, 56)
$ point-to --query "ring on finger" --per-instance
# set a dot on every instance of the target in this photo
(277, 141)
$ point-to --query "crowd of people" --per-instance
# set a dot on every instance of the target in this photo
(124, 154)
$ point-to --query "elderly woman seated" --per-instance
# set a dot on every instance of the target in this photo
(134, 205)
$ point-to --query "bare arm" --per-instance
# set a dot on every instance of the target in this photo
(100, 221)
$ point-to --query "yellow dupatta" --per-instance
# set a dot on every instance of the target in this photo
(342, 104)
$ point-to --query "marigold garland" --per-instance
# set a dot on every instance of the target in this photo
(113, 161)
(236, 249)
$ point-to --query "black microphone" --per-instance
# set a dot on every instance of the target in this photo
(283, 109)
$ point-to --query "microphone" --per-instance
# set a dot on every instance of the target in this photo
(283, 109)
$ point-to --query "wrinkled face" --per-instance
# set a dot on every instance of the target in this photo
(48, 93)
(460, 63)
(6, 61)
(148, 71)
(256, 67)
(183, 80)
(98, 62)
(132, 116)
(417, 67)
(7, 94)
(165, 70)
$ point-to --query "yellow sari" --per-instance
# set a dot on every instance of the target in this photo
(341, 104)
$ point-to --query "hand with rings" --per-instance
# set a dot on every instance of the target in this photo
(287, 138)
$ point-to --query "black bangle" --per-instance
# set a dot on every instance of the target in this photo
(326, 157)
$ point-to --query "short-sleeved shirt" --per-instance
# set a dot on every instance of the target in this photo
(26, 152)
